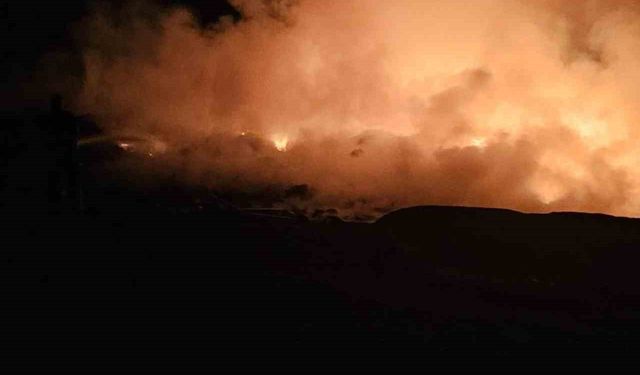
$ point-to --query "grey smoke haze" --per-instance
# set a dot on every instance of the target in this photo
(530, 105)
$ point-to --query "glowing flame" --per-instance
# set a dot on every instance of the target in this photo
(124, 145)
(479, 142)
(281, 143)
(547, 191)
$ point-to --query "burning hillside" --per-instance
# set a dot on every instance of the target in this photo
(374, 105)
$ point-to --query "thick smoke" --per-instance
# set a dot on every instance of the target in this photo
(375, 105)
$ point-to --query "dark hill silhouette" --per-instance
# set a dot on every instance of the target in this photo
(553, 249)
(165, 273)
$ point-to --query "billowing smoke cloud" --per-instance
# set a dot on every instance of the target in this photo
(375, 105)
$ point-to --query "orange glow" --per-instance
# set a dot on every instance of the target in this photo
(530, 105)
(281, 142)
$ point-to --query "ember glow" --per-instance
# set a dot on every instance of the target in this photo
(281, 142)
(531, 105)
(124, 145)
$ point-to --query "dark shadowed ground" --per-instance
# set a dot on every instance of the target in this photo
(165, 276)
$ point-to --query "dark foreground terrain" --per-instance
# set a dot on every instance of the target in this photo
(158, 279)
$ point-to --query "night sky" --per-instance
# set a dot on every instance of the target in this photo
(37, 29)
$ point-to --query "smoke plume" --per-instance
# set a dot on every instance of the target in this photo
(374, 105)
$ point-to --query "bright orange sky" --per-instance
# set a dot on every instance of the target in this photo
(531, 105)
